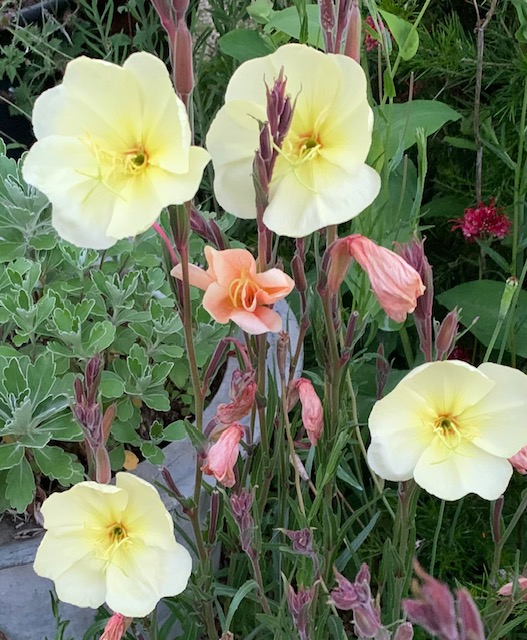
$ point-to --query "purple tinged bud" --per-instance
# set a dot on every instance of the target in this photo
(470, 624)
(350, 329)
(357, 597)
(241, 504)
(299, 273)
(299, 603)
(446, 336)
(214, 514)
(302, 541)
(79, 392)
(327, 22)
(164, 11)
(171, 485)
(266, 150)
(103, 470)
(354, 36)
(180, 7)
(382, 367)
(433, 608)
(282, 352)
(404, 632)
(285, 120)
(183, 67)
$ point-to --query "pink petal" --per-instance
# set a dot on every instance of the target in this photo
(197, 277)
(275, 285)
(230, 264)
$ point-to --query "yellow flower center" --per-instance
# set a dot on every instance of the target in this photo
(112, 538)
(451, 431)
(242, 292)
(113, 164)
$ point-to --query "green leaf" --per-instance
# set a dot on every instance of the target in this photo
(396, 124)
(482, 298)
(288, 22)
(125, 432)
(245, 589)
(460, 143)
(63, 428)
(260, 10)
(152, 453)
(20, 485)
(54, 462)
(175, 431)
(157, 400)
(10, 455)
(404, 34)
(111, 385)
(244, 44)
(101, 336)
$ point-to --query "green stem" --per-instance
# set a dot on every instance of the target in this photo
(436, 536)
(518, 196)
(498, 548)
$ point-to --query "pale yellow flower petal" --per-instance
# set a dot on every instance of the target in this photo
(81, 506)
(166, 117)
(82, 205)
(146, 514)
(501, 414)
(398, 423)
(449, 386)
(303, 200)
(83, 583)
(236, 122)
(147, 575)
(96, 98)
(452, 475)
(320, 177)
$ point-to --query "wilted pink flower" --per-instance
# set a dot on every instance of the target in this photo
(506, 590)
(434, 609)
(116, 627)
(484, 222)
(312, 410)
(519, 461)
(447, 334)
(357, 597)
(371, 43)
(242, 394)
(221, 457)
(396, 284)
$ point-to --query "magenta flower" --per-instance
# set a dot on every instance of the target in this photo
(483, 223)
(371, 43)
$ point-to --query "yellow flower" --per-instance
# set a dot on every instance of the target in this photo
(112, 544)
(320, 177)
(113, 148)
(451, 427)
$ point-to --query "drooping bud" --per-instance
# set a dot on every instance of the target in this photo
(116, 627)
(312, 410)
(221, 458)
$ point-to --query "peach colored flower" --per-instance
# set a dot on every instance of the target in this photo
(312, 411)
(395, 283)
(116, 627)
(235, 291)
(519, 461)
(506, 590)
(223, 454)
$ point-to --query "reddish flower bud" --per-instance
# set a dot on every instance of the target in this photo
(183, 68)
(312, 410)
(507, 589)
(519, 461)
(299, 603)
(404, 632)
(353, 38)
(470, 625)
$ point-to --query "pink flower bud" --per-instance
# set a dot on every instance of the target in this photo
(506, 590)
(353, 38)
(241, 504)
(103, 469)
(242, 393)
(470, 625)
(404, 632)
(116, 627)
(221, 457)
(312, 410)
(299, 603)
(433, 609)
(519, 461)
